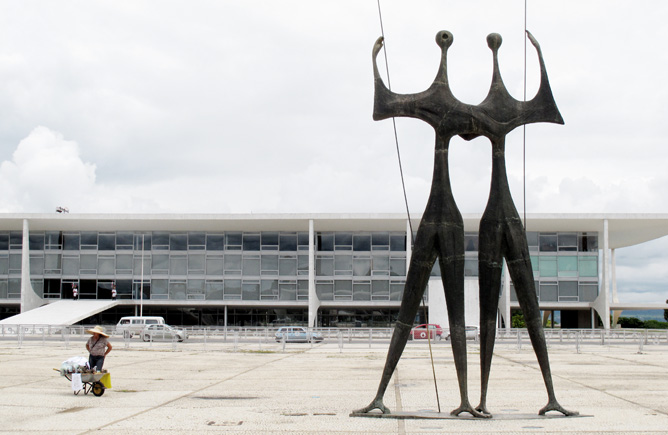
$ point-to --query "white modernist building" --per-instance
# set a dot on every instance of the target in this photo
(316, 269)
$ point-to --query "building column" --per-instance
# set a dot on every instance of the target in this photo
(409, 244)
(613, 270)
(504, 300)
(29, 299)
(313, 301)
(602, 303)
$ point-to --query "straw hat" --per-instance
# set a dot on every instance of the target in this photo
(97, 330)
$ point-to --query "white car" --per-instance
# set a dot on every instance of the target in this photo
(472, 333)
(296, 334)
(163, 332)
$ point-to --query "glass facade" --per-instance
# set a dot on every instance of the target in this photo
(565, 266)
(264, 266)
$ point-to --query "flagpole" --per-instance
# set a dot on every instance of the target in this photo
(141, 283)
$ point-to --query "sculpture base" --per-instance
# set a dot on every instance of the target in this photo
(426, 415)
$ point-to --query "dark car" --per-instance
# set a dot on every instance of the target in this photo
(426, 330)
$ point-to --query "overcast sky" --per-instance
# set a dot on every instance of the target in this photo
(265, 106)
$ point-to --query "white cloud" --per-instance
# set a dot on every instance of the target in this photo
(45, 171)
(266, 107)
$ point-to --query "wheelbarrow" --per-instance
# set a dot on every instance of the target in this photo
(95, 382)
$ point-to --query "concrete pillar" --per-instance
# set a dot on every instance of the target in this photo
(602, 302)
(409, 244)
(29, 299)
(613, 269)
(504, 301)
(313, 301)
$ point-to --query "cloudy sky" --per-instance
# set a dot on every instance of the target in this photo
(265, 106)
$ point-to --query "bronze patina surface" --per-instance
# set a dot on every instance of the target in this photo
(441, 231)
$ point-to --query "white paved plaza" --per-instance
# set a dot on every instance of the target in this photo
(261, 388)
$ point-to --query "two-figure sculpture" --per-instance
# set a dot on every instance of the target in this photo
(441, 231)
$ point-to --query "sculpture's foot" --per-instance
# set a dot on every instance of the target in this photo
(375, 404)
(553, 405)
(468, 408)
(482, 409)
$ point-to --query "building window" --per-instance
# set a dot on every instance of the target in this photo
(587, 291)
(343, 241)
(588, 266)
(178, 265)
(325, 290)
(196, 263)
(287, 290)
(251, 290)
(215, 242)
(214, 290)
(196, 241)
(4, 241)
(324, 265)
(288, 242)
(178, 242)
(124, 241)
(588, 242)
(568, 265)
(251, 242)
(397, 242)
(160, 241)
(177, 290)
(361, 290)
(549, 291)
(547, 265)
(568, 291)
(214, 265)
(380, 241)
(269, 289)
(88, 240)
(232, 289)
(380, 290)
(361, 242)
(233, 241)
(232, 264)
(287, 265)
(36, 241)
(251, 265)
(107, 242)
(548, 242)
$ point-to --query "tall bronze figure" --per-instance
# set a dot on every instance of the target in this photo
(502, 234)
(441, 231)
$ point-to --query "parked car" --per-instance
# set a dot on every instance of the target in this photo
(472, 333)
(131, 325)
(163, 332)
(425, 330)
(296, 334)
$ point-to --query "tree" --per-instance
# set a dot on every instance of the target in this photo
(631, 322)
(665, 312)
(517, 320)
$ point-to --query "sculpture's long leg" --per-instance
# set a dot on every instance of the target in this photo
(451, 260)
(519, 265)
(422, 261)
(489, 279)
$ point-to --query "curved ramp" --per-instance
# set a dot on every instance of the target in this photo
(67, 312)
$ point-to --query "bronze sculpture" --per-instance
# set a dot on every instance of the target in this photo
(441, 232)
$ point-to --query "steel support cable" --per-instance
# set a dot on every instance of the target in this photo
(408, 214)
(524, 127)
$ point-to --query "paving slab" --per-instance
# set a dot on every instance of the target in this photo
(308, 389)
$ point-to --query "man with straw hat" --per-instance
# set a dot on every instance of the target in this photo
(98, 346)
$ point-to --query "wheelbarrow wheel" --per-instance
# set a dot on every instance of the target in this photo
(98, 389)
